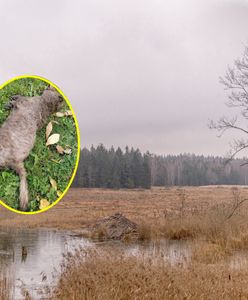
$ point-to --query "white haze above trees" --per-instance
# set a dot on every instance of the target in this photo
(138, 72)
(103, 168)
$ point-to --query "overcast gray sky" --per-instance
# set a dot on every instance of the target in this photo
(137, 72)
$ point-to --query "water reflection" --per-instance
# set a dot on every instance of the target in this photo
(239, 261)
(34, 256)
(171, 251)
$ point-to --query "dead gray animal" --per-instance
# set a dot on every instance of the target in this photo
(18, 132)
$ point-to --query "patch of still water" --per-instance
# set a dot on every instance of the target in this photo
(33, 257)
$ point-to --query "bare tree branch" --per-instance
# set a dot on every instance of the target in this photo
(237, 203)
(235, 81)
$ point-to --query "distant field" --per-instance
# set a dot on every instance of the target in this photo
(153, 207)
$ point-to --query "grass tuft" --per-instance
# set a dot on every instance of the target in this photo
(109, 274)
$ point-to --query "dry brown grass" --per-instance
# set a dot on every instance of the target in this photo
(145, 233)
(81, 206)
(6, 286)
(158, 212)
(209, 253)
(111, 275)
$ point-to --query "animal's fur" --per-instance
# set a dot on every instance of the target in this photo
(18, 132)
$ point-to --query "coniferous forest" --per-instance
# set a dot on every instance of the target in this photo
(114, 168)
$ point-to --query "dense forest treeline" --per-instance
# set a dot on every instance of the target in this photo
(99, 167)
(115, 168)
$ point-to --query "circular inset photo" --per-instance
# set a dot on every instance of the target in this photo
(39, 144)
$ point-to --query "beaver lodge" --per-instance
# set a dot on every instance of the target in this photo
(115, 227)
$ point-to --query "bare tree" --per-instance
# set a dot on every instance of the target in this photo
(236, 81)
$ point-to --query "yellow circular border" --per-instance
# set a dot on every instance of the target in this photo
(78, 142)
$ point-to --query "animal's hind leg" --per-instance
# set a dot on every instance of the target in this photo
(20, 169)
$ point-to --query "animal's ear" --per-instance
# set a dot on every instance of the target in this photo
(13, 102)
(15, 97)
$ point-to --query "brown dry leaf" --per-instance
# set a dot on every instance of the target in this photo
(53, 184)
(68, 113)
(44, 203)
(49, 129)
(53, 139)
(59, 114)
(60, 149)
(67, 151)
(59, 193)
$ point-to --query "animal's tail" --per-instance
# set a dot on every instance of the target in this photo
(20, 169)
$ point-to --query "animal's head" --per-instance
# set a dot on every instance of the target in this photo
(53, 99)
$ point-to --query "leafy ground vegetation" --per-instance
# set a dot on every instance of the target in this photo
(49, 170)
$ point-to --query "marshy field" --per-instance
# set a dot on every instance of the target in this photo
(191, 243)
